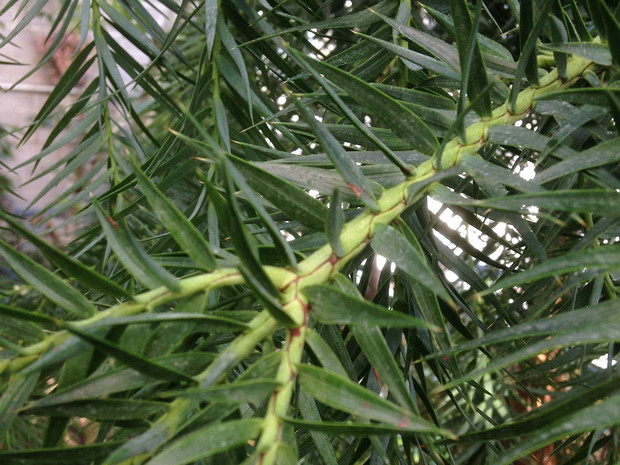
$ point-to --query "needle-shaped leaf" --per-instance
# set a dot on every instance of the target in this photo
(130, 359)
(58, 455)
(373, 343)
(335, 223)
(103, 409)
(207, 441)
(349, 171)
(348, 396)
(72, 268)
(400, 119)
(251, 267)
(283, 248)
(332, 306)
(18, 390)
(211, 7)
(183, 231)
(602, 259)
(48, 284)
(598, 417)
(290, 199)
(600, 201)
(132, 255)
(255, 390)
(474, 79)
(408, 257)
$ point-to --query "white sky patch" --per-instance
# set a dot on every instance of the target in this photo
(603, 362)
(527, 172)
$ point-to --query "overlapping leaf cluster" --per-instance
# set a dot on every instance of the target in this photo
(250, 164)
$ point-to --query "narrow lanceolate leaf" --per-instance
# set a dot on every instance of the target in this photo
(58, 455)
(360, 429)
(473, 71)
(133, 256)
(130, 359)
(349, 171)
(103, 409)
(600, 155)
(601, 320)
(72, 268)
(207, 441)
(251, 267)
(335, 223)
(208, 320)
(598, 53)
(527, 61)
(19, 389)
(290, 199)
(331, 306)
(18, 313)
(526, 24)
(590, 96)
(310, 411)
(602, 259)
(445, 52)
(348, 396)
(608, 26)
(539, 419)
(211, 7)
(282, 246)
(182, 230)
(417, 58)
(598, 417)
(408, 257)
(350, 115)
(48, 284)
(402, 121)
(255, 391)
(494, 174)
(374, 345)
(597, 201)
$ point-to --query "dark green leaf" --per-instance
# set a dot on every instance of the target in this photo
(349, 171)
(207, 441)
(47, 283)
(350, 397)
(182, 230)
(408, 257)
(474, 80)
(331, 306)
(291, 200)
(335, 223)
(130, 359)
(133, 256)
(396, 116)
(70, 267)
(102, 409)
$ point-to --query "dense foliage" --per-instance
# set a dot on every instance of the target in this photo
(249, 166)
